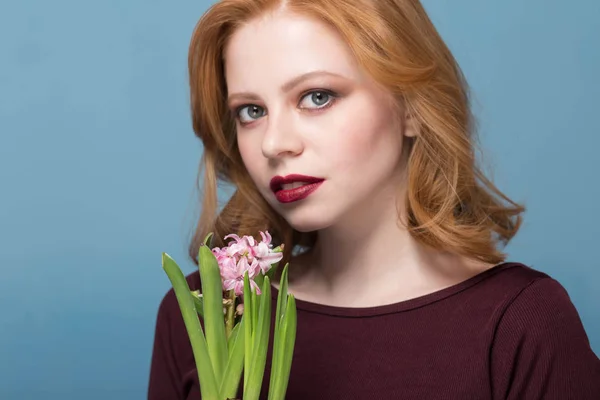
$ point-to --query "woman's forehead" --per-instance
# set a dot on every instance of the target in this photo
(283, 46)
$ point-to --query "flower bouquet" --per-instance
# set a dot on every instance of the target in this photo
(235, 307)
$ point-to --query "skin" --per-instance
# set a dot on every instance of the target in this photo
(303, 105)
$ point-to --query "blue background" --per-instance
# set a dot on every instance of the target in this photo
(98, 165)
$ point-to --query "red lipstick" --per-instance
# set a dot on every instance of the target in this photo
(310, 184)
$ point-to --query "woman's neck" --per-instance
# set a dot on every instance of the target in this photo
(373, 260)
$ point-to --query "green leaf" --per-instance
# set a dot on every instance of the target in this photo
(214, 319)
(249, 327)
(286, 352)
(278, 340)
(206, 376)
(273, 271)
(198, 302)
(260, 345)
(254, 314)
(259, 279)
(208, 238)
(235, 364)
(231, 339)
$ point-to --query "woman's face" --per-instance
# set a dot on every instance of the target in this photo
(304, 107)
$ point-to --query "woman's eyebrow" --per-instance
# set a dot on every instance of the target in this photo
(288, 86)
(291, 84)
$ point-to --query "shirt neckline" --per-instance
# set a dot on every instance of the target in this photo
(405, 305)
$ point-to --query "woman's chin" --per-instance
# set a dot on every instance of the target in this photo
(306, 225)
(306, 217)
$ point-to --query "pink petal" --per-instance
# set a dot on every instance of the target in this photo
(229, 274)
(266, 237)
(234, 236)
(242, 267)
(250, 240)
(267, 262)
(253, 268)
(261, 250)
(255, 286)
(272, 258)
(236, 249)
(228, 268)
(229, 284)
(239, 288)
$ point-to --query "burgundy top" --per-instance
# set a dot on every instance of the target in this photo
(510, 332)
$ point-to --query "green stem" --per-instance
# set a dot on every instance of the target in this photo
(230, 314)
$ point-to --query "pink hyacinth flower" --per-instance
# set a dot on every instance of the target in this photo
(237, 247)
(245, 254)
(233, 278)
(266, 256)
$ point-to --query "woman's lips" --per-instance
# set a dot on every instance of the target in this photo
(301, 187)
(291, 195)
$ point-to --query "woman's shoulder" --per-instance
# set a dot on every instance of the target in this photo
(513, 274)
(526, 296)
(535, 300)
(539, 343)
(512, 280)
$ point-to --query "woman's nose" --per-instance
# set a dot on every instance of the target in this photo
(281, 137)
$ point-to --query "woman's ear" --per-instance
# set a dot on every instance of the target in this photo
(409, 124)
(406, 121)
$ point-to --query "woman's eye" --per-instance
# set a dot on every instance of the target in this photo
(316, 99)
(250, 113)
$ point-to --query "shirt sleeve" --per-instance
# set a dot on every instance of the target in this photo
(164, 374)
(541, 350)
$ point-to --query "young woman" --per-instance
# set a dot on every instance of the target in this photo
(345, 127)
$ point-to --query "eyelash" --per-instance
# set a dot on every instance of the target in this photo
(332, 99)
